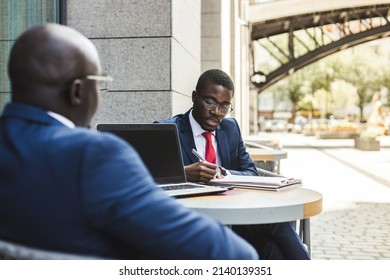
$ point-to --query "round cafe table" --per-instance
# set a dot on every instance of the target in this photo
(248, 206)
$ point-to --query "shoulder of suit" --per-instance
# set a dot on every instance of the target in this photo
(93, 137)
(173, 119)
(228, 122)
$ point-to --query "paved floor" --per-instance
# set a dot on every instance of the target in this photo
(355, 222)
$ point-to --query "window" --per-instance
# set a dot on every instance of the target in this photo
(15, 17)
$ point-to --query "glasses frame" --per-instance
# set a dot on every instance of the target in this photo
(217, 105)
(107, 79)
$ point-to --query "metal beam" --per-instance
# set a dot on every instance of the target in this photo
(353, 26)
(296, 64)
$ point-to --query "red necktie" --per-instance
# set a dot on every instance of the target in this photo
(210, 151)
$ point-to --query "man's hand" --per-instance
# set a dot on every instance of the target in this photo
(201, 171)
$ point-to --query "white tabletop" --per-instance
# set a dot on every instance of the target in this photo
(245, 206)
(257, 154)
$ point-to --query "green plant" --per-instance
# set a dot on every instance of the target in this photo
(368, 135)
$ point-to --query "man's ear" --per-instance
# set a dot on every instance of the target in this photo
(75, 93)
(193, 96)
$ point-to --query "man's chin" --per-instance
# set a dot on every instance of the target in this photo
(209, 127)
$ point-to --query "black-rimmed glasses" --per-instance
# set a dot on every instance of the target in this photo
(103, 82)
(211, 105)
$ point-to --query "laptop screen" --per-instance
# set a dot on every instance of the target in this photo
(157, 144)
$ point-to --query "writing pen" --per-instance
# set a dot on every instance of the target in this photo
(199, 156)
(201, 159)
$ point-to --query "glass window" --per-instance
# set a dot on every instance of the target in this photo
(15, 17)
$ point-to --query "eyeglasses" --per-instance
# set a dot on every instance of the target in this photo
(103, 82)
(211, 105)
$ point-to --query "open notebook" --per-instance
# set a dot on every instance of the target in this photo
(159, 147)
(259, 182)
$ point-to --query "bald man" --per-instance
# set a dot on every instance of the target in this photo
(68, 189)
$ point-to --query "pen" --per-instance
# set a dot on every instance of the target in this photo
(201, 159)
(199, 156)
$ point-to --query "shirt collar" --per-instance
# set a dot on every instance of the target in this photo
(62, 119)
(197, 130)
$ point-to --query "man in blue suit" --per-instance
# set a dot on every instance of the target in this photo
(211, 103)
(68, 189)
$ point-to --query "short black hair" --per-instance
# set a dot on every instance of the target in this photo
(216, 77)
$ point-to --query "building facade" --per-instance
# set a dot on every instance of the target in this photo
(15, 17)
(154, 49)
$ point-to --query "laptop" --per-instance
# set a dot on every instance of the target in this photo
(159, 147)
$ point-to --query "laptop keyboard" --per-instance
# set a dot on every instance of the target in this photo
(181, 187)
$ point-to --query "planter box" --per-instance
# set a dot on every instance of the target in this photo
(308, 132)
(367, 144)
(336, 135)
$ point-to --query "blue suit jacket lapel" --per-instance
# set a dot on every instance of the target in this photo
(223, 148)
(187, 139)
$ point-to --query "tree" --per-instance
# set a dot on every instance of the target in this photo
(308, 103)
(362, 73)
(295, 94)
(344, 96)
(293, 89)
(363, 67)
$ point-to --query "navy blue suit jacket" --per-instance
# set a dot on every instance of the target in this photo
(231, 148)
(87, 192)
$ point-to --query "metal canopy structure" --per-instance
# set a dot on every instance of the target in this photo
(296, 41)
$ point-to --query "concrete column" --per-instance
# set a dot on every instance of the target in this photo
(216, 35)
(150, 47)
(225, 41)
(240, 62)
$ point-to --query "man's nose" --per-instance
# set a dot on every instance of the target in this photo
(217, 109)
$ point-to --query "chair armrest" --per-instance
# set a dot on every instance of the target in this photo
(13, 251)
(266, 173)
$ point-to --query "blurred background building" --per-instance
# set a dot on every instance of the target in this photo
(156, 50)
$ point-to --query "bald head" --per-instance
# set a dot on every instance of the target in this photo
(44, 62)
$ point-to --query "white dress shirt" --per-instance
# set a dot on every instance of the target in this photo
(200, 141)
(65, 121)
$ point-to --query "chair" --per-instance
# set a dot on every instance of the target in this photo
(304, 225)
(267, 173)
(264, 165)
(13, 251)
